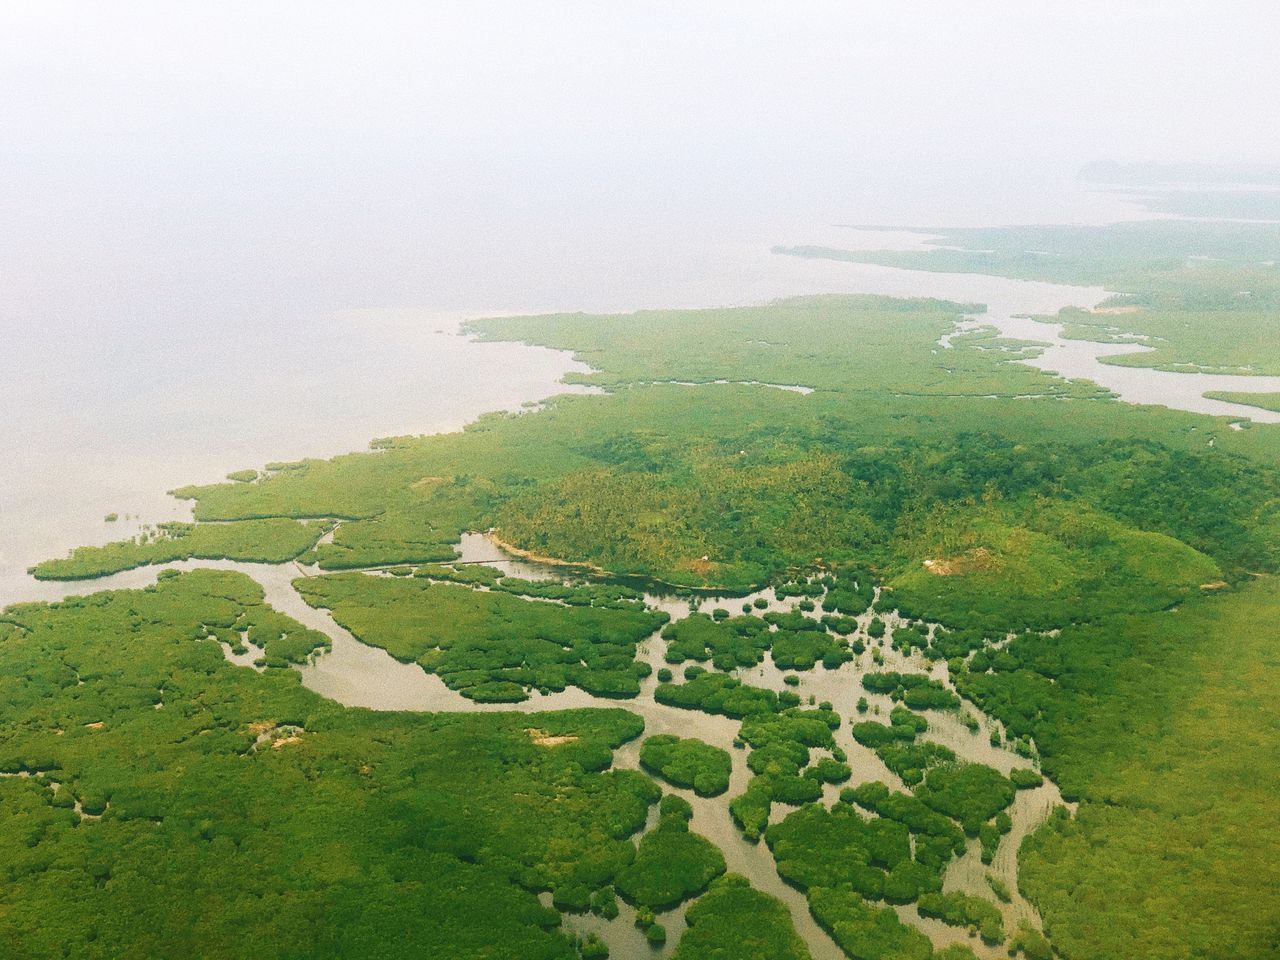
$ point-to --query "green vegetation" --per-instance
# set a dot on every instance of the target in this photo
(604, 903)
(826, 339)
(989, 497)
(865, 932)
(687, 763)
(1199, 339)
(720, 693)
(780, 752)
(1225, 204)
(915, 815)
(738, 485)
(1164, 728)
(728, 643)
(999, 888)
(817, 847)
(1263, 401)
(802, 649)
(734, 922)
(489, 646)
(1031, 943)
(990, 834)
(1149, 254)
(672, 864)
(896, 744)
(961, 910)
(917, 690)
(830, 770)
(981, 563)
(574, 593)
(971, 793)
(264, 541)
(286, 821)
(1024, 779)
(1203, 294)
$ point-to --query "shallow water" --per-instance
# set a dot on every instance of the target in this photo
(358, 675)
(384, 373)
(72, 459)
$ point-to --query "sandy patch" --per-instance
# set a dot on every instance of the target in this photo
(979, 558)
(532, 557)
(703, 566)
(541, 738)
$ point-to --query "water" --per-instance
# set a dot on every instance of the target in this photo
(108, 434)
(90, 442)
(358, 675)
(380, 373)
(128, 375)
(1024, 310)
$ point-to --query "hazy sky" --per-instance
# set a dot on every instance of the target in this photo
(234, 158)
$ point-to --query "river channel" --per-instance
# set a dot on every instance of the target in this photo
(358, 675)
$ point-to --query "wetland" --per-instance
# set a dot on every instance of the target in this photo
(871, 666)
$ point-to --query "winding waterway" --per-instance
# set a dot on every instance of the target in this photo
(483, 377)
(359, 675)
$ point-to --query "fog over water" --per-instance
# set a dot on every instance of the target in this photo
(246, 232)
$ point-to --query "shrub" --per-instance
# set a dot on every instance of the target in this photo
(671, 863)
(1025, 779)
(971, 793)
(687, 763)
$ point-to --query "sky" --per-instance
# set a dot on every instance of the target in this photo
(234, 158)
